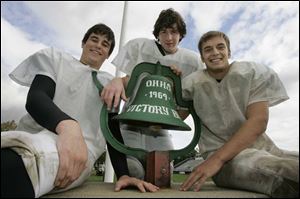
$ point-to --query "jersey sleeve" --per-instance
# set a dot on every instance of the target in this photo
(42, 62)
(266, 86)
(128, 56)
(189, 84)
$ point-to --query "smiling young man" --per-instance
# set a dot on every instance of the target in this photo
(232, 101)
(169, 30)
(57, 143)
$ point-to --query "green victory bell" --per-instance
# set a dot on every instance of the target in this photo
(154, 91)
(153, 104)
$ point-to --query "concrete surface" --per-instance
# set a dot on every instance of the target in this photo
(106, 190)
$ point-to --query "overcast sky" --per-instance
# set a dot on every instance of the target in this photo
(265, 32)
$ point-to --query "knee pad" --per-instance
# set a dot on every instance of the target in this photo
(135, 168)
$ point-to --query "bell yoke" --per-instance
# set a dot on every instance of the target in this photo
(154, 92)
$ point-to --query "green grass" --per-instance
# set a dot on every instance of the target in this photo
(175, 178)
(94, 178)
(179, 177)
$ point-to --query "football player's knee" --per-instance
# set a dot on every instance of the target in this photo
(135, 168)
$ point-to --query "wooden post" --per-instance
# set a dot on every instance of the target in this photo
(158, 168)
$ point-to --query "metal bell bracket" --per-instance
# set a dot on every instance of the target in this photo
(152, 69)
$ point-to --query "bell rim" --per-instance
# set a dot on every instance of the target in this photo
(135, 122)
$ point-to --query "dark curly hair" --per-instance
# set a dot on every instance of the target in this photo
(166, 19)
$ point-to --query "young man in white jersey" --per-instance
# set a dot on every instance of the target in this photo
(169, 30)
(57, 143)
(232, 101)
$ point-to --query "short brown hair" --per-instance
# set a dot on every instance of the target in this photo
(101, 29)
(210, 35)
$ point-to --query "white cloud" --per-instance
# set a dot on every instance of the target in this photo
(13, 98)
(212, 15)
(15, 45)
(72, 19)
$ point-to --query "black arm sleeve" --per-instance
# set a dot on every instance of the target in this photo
(39, 103)
(118, 159)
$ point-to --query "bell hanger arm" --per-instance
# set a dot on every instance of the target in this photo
(187, 104)
(138, 153)
(181, 152)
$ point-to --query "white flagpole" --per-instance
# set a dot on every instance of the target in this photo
(109, 171)
(121, 42)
